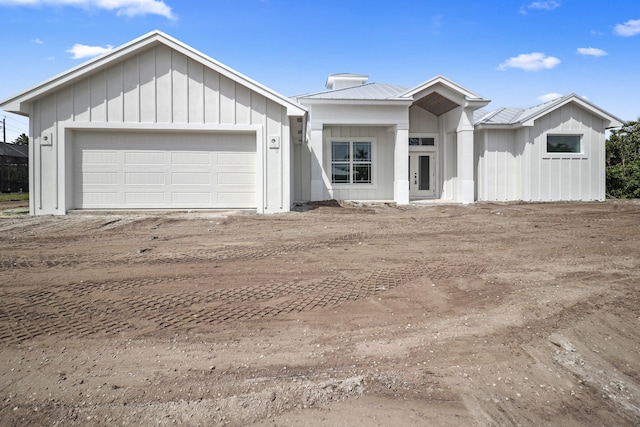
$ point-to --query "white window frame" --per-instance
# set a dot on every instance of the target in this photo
(551, 154)
(433, 147)
(329, 162)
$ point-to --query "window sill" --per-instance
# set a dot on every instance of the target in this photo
(353, 187)
(564, 156)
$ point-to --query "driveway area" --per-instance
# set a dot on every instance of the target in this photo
(340, 314)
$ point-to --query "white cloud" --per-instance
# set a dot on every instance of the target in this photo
(37, 41)
(628, 29)
(540, 5)
(549, 97)
(534, 61)
(81, 51)
(591, 51)
(121, 7)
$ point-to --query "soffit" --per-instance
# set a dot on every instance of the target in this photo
(436, 104)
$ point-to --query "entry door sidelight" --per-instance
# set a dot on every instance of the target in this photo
(422, 175)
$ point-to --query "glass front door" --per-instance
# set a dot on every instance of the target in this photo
(422, 175)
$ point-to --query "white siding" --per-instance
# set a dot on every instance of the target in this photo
(449, 153)
(383, 154)
(155, 86)
(556, 177)
(499, 159)
(422, 121)
(514, 164)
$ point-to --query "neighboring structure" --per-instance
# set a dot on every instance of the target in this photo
(156, 124)
(14, 168)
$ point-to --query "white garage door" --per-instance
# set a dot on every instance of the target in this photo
(164, 170)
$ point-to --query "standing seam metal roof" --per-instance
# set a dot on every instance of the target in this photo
(368, 91)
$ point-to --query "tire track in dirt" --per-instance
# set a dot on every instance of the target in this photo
(88, 308)
(227, 253)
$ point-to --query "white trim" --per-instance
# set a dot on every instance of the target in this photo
(553, 155)
(433, 147)
(15, 103)
(329, 169)
(433, 150)
(340, 101)
(67, 129)
(445, 82)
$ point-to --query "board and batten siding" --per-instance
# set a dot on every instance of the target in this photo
(499, 165)
(382, 162)
(515, 165)
(157, 86)
(564, 177)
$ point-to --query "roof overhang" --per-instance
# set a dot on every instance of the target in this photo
(373, 102)
(611, 121)
(441, 95)
(486, 126)
(19, 103)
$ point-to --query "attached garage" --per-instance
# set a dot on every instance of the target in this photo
(163, 170)
(155, 124)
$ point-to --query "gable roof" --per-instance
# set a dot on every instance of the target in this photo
(14, 150)
(17, 103)
(526, 117)
(365, 92)
(445, 82)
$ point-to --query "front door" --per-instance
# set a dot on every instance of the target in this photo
(422, 175)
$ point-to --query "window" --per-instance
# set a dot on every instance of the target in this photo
(351, 162)
(564, 144)
(422, 141)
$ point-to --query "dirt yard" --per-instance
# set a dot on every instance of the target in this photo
(342, 315)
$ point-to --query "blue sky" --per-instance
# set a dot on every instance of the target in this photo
(516, 53)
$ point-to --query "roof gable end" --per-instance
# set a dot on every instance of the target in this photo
(17, 103)
(530, 115)
(441, 80)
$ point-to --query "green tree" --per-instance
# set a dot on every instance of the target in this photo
(21, 140)
(623, 161)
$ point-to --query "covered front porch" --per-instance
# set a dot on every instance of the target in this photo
(440, 144)
(375, 142)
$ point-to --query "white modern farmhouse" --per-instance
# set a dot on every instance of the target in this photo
(155, 124)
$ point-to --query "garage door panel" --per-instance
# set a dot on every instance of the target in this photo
(100, 178)
(238, 178)
(144, 178)
(138, 198)
(191, 158)
(144, 158)
(191, 199)
(100, 199)
(191, 178)
(106, 158)
(159, 170)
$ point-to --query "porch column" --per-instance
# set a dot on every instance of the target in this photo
(465, 181)
(401, 166)
(315, 146)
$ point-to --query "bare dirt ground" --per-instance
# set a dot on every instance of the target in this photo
(342, 315)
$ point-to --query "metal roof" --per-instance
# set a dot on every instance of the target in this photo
(515, 116)
(368, 92)
(13, 150)
(501, 116)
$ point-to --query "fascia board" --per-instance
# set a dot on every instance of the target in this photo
(78, 72)
(477, 102)
(487, 126)
(131, 48)
(372, 102)
(445, 82)
(612, 120)
(293, 109)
